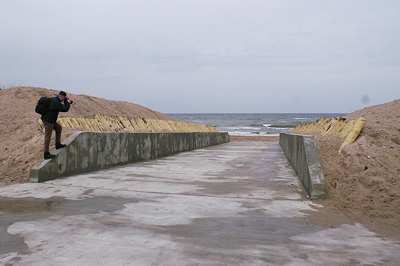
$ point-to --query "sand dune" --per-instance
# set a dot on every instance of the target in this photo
(21, 136)
(364, 181)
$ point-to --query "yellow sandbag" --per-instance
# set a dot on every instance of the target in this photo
(352, 136)
(106, 123)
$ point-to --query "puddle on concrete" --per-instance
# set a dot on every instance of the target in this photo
(21, 206)
(239, 232)
(259, 234)
(32, 209)
(88, 191)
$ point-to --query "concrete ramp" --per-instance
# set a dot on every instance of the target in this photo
(238, 203)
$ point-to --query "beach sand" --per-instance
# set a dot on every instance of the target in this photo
(254, 138)
(364, 180)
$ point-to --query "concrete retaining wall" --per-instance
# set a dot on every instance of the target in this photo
(302, 153)
(90, 151)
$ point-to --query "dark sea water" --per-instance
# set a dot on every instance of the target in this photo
(252, 124)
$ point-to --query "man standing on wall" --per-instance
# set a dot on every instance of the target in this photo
(57, 104)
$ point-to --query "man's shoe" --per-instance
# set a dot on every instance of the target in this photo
(47, 155)
(59, 146)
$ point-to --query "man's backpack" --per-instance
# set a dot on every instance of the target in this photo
(42, 106)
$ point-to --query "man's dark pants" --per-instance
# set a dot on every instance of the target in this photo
(48, 128)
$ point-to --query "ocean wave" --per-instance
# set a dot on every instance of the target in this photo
(283, 126)
(241, 133)
(243, 128)
(266, 125)
(249, 134)
(255, 125)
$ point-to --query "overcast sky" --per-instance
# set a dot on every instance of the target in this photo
(207, 55)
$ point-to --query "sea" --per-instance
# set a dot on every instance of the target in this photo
(247, 124)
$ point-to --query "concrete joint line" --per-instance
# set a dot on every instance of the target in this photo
(182, 194)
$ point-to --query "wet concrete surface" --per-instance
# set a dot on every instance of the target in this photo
(234, 204)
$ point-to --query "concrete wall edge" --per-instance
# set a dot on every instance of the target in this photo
(302, 153)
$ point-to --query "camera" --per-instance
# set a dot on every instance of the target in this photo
(71, 101)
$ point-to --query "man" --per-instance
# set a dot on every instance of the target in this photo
(50, 122)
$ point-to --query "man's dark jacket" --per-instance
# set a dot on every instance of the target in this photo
(55, 107)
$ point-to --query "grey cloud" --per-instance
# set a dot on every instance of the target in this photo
(234, 56)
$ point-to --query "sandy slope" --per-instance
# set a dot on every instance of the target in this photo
(21, 139)
(364, 181)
